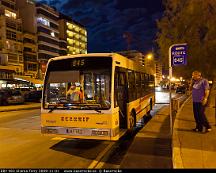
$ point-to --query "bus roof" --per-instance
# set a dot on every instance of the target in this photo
(116, 56)
(82, 55)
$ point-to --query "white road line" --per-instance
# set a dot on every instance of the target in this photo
(58, 139)
(100, 156)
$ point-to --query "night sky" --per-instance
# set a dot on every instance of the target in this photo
(114, 25)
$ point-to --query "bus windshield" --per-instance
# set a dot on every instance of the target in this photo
(78, 83)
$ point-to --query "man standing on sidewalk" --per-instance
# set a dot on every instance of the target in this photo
(200, 93)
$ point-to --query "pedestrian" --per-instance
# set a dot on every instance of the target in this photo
(200, 93)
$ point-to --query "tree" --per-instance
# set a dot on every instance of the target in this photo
(191, 22)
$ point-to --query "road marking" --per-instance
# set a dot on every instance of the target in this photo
(100, 156)
(58, 139)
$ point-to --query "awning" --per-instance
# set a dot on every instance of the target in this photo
(29, 79)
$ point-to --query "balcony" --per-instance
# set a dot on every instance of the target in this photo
(48, 53)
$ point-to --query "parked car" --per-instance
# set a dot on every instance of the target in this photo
(23, 91)
(9, 96)
(3, 97)
(181, 89)
(34, 96)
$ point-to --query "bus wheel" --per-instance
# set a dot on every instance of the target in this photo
(132, 120)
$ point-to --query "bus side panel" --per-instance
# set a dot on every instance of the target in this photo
(140, 106)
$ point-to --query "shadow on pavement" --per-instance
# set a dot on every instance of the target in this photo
(88, 149)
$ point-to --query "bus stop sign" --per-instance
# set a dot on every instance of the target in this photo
(179, 54)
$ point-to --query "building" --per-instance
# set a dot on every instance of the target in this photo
(31, 64)
(29, 37)
(47, 31)
(47, 34)
(41, 36)
(73, 36)
(31, 33)
(140, 58)
(11, 40)
(134, 55)
(158, 78)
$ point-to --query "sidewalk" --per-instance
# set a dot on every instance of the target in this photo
(193, 149)
(153, 146)
(25, 106)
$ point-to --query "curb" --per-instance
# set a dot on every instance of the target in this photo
(176, 145)
(17, 109)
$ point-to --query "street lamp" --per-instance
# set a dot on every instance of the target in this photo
(149, 56)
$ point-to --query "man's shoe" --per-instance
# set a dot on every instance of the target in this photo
(208, 129)
(196, 130)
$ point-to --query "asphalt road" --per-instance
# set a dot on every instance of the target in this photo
(23, 146)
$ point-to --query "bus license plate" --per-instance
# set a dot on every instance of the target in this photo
(75, 131)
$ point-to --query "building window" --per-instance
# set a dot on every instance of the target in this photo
(32, 67)
(52, 34)
(30, 1)
(11, 35)
(48, 40)
(10, 14)
(70, 33)
(11, 24)
(49, 15)
(43, 21)
(12, 58)
(9, 5)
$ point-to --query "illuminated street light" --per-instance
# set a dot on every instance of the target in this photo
(149, 56)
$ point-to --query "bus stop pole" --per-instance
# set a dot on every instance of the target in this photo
(170, 91)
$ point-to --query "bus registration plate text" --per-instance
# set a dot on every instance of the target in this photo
(75, 131)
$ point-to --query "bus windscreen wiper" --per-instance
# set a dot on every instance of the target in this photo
(94, 108)
(52, 108)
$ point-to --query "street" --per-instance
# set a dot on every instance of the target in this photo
(23, 146)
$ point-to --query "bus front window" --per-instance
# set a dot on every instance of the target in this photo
(78, 89)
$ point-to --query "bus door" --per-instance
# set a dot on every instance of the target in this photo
(121, 96)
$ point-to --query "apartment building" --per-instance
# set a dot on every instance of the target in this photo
(73, 36)
(47, 31)
(11, 40)
(31, 33)
(158, 78)
(41, 35)
(27, 13)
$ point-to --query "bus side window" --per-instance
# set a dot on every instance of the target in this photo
(131, 86)
(138, 84)
(143, 84)
(115, 89)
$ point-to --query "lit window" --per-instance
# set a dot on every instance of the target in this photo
(52, 34)
(10, 14)
(70, 34)
(43, 21)
(70, 41)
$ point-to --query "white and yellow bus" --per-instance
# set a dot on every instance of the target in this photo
(116, 94)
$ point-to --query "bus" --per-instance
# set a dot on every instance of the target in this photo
(113, 94)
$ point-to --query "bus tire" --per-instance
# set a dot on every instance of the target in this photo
(131, 130)
(132, 119)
